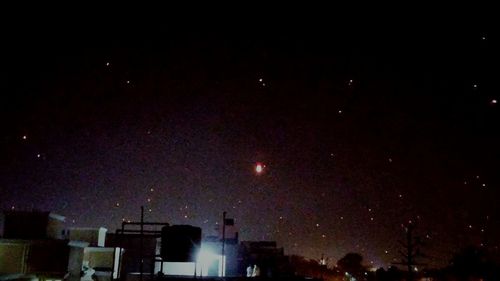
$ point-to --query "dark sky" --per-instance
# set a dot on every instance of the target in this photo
(363, 124)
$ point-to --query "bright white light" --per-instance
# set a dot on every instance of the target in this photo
(259, 168)
(208, 259)
(494, 101)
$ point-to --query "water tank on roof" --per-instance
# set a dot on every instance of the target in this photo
(180, 243)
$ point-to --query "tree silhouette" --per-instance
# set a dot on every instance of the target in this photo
(473, 262)
(351, 264)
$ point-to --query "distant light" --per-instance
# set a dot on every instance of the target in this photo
(494, 101)
(38, 155)
(149, 199)
(128, 81)
(150, 210)
(152, 189)
(390, 160)
(483, 38)
(340, 111)
(107, 64)
(317, 225)
(386, 251)
(24, 137)
(474, 86)
(484, 185)
(259, 168)
(470, 226)
(260, 80)
(117, 204)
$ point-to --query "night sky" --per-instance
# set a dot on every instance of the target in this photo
(361, 126)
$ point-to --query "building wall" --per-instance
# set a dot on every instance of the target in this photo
(33, 256)
(13, 257)
(96, 237)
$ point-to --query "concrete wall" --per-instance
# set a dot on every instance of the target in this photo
(13, 257)
(96, 237)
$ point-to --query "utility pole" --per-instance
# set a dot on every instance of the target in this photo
(223, 241)
(141, 245)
